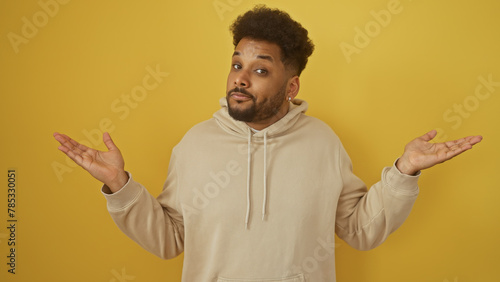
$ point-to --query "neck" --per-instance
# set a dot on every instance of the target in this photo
(265, 123)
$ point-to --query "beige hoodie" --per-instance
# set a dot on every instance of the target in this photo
(262, 206)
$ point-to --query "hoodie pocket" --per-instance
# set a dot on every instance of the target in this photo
(295, 278)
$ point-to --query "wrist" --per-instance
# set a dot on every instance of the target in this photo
(405, 168)
(118, 182)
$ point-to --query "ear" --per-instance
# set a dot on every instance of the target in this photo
(293, 87)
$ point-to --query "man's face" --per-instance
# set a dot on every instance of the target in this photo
(257, 83)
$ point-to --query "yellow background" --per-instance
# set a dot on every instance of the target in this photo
(65, 78)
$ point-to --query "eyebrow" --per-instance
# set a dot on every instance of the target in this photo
(265, 57)
(262, 57)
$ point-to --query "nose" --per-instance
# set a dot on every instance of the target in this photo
(241, 79)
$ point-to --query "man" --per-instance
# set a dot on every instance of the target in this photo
(256, 192)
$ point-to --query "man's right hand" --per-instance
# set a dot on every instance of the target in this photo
(107, 167)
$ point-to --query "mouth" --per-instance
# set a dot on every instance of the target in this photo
(240, 97)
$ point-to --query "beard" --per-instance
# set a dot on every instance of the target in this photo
(256, 112)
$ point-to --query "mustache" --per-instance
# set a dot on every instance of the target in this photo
(240, 90)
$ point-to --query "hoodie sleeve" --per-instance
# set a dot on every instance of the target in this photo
(154, 223)
(366, 218)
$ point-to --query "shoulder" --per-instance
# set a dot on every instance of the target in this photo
(204, 130)
(205, 127)
(316, 128)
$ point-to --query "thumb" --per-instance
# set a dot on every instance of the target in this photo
(429, 135)
(109, 142)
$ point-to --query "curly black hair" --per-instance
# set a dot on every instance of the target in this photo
(275, 26)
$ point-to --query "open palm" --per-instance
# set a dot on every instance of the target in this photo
(105, 166)
(421, 154)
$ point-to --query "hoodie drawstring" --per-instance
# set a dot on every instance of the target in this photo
(265, 177)
(264, 200)
(248, 176)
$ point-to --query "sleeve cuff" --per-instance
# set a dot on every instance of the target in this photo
(401, 183)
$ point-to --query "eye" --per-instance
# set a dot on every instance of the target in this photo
(261, 71)
(236, 66)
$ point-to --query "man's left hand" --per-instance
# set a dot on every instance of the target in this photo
(420, 154)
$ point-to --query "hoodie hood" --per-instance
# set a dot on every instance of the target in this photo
(241, 129)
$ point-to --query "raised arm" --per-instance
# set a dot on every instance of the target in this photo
(366, 218)
(155, 224)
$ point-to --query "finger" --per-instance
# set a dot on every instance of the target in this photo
(71, 148)
(460, 146)
(451, 154)
(63, 149)
(59, 137)
(466, 142)
(454, 143)
(78, 147)
(109, 142)
(64, 140)
(74, 150)
(70, 143)
(457, 150)
(429, 135)
(77, 158)
(474, 139)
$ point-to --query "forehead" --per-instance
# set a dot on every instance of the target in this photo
(258, 49)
